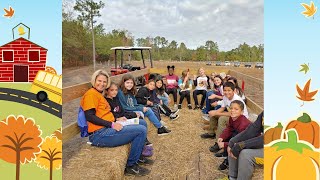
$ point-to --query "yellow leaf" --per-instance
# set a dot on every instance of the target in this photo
(310, 10)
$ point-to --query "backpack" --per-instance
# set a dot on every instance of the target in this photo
(82, 123)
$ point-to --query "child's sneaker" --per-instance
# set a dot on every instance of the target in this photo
(163, 131)
(148, 143)
(136, 170)
(224, 165)
(174, 117)
(147, 151)
(175, 112)
(196, 107)
(206, 117)
(189, 106)
(145, 161)
(215, 148)
(221, 153)
(179, 106)
(175, 107)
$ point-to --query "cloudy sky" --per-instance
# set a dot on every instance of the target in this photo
(228, 22)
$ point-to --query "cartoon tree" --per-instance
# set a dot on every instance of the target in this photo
(58, 133)
(51, 155)
(20, 141)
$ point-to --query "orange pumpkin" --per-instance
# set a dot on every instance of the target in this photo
(307, 129)
(290, 160)
(273, 133)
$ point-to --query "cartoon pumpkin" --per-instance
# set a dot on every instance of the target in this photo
(273, 133)
(290, 159)
(307, 129)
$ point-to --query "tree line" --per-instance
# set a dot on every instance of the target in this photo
(78, 34)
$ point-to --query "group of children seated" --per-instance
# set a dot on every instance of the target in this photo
(106, 105)
(226, 116)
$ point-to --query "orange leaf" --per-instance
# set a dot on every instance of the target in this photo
(304, 94)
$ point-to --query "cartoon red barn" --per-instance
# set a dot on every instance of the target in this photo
(20, 60)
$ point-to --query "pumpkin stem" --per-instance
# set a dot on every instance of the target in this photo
(279, 125)
(292, 143)
(305, 118)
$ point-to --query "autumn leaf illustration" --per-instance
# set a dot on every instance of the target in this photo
(304, 67)
(310, 10)
(304, 94)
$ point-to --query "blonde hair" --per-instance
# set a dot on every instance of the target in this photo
(200, 69)
(184, 74)
(98, 73)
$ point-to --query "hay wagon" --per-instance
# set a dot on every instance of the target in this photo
(77, 154)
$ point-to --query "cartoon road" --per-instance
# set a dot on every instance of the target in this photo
(30, 99)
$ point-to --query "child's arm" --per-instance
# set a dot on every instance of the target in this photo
(140, 96)
(123, 103)
(227, 132)
(181, 84)
(251, 131)
(195, 82)
(190, 86)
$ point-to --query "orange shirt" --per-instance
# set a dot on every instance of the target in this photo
(94, 99)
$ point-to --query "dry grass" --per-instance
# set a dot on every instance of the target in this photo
(183, 154)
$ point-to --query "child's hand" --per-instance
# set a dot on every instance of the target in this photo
(214, 104)
(220, 140)
(121, 119)
(221, 144)
(117, 126)
(230, 153)
(212, 113)
(212, 96)
(194, 77)
(161, 102)
(138, 115)
(149, 103)
(145, 109)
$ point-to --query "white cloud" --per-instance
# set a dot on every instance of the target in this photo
(228, 22)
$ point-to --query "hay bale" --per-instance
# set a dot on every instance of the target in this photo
(89, 162)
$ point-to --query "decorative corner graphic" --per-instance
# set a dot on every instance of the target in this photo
(30, 101)
(310, 10)
(8, 13)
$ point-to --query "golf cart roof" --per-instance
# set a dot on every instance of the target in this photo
(130, 48)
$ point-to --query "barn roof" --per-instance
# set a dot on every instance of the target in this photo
(21, 38)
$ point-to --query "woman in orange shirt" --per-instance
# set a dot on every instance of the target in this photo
(106, 132)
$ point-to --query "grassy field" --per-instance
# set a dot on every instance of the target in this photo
(48, 124)
(19, 86)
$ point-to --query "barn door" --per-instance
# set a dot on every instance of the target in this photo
(21, 73)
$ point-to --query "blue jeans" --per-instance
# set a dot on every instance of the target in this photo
(134, 134)
(153, 118)
(164, 99)
(208, 105)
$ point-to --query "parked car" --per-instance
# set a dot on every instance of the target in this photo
(247, 65)
(259, 65)
(227, 63)
(208, 63)
(236, 64)
(218, 63)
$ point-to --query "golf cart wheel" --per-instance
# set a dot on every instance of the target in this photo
(42, 96)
